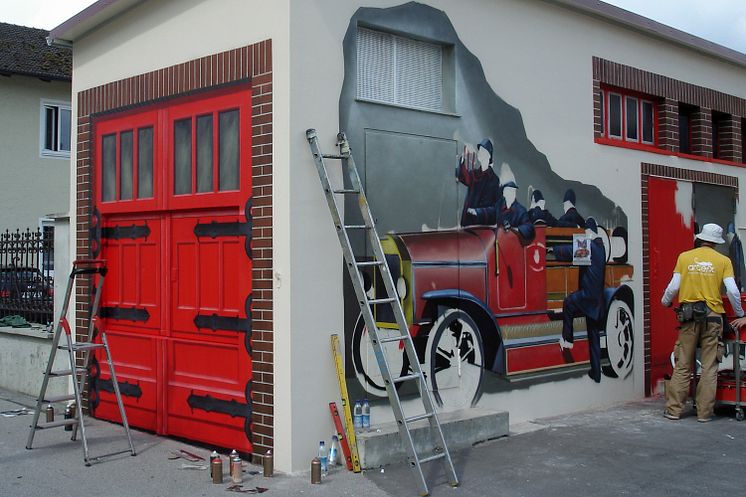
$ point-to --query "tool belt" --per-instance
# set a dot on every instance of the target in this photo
(692, 311)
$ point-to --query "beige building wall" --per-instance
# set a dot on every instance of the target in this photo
(32, 186)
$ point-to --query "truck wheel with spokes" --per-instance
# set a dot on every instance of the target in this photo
(454, 360)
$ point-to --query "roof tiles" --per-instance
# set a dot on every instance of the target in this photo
(25, 51)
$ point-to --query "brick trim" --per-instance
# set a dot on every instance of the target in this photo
(730, 133)
(646, 171)
(701, 123)
(253, 63)
(631, 78)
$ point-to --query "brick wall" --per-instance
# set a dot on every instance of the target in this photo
(701, 123)
(253, 63)
(730, 138)
(669, 93)
(668, 125)
(631, 78)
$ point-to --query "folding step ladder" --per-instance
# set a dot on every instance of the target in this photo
(353, 266)
(79, 375)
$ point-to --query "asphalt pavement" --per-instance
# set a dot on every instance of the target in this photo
(625, 450)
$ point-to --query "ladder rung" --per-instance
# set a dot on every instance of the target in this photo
(356, 227)
(55, 424)
(418, 417)
(369, 263)
(109, 454)
(395, 338)
(59, 398)
(387, 300)
(61, 372)
(432, 458)
(346, 192)
(84, 346)
(408, 377)
(333, 156)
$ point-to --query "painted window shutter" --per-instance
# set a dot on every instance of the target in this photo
(400, 71)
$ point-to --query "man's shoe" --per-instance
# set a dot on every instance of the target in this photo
(565, 345)
(704, 420)
(672, 417)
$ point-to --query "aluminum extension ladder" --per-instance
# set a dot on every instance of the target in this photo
(353, 266)
(79, 375)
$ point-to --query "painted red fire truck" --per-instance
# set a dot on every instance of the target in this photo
(479, 299)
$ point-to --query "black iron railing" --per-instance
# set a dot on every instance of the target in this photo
(27, 274)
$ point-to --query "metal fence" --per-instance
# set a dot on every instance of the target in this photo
(27, 274)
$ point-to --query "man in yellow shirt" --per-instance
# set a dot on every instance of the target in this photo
(696, 279)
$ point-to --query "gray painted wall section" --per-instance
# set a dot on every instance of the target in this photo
(32, 186)
(479, 113)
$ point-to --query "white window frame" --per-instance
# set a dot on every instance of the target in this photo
(43, 151)
(627, 138)
(642, 122)
(621, 116)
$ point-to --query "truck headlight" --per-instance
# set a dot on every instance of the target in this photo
(401, 287)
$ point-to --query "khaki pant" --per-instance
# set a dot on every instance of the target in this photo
(706, 334)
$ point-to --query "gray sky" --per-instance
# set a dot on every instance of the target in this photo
(721, 21)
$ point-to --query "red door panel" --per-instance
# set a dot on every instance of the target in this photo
(131, 293)
(212, 108)
(669, 234)
(136, 362)
(207, 392)
(212, 277)
(209, 363)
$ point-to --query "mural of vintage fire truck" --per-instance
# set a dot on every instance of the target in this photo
(478, 299)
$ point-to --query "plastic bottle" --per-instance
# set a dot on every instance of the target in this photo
(357, 416)
(334, 451)
(323, 458)
(366, 415)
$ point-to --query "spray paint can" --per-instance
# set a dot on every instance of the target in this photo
(315, 470)
(69, 410)
(268, 464)
(216, 467)
(236, 473)
(50, 413)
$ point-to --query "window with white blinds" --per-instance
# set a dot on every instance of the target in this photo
(401, 71)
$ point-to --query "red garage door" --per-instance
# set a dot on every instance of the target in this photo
(670, 232)
(173, 221)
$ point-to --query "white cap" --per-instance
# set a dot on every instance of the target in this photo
(711, 232)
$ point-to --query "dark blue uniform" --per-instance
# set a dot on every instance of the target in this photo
(516, 217)
(537, 215)
(571, 219)
(483, 192)
(587, 301)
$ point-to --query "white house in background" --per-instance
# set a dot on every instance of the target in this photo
(35, 119)
(195, 182)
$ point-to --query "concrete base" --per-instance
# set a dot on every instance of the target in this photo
(24, 353)
(461, 429)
